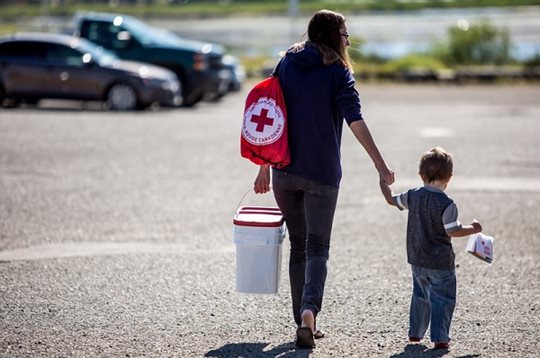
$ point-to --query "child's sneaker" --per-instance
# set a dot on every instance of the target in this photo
(414, 339)
(442, 345)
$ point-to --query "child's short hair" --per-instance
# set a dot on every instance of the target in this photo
(436, 164)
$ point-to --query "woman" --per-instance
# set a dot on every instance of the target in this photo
(318, 87)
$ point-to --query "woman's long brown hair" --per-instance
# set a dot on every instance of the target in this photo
(324, 30)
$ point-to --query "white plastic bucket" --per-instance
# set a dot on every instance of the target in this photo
(258, 234)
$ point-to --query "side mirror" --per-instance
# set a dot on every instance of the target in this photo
(87, 60)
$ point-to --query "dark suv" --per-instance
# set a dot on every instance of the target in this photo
(199, 66)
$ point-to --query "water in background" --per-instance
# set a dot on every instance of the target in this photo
(386, 34)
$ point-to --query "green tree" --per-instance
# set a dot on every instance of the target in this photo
(477, 44)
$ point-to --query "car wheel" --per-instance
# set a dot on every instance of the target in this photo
(192, 101)
(122, 97)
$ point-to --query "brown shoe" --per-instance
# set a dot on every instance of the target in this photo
(442, 345)
(414, 339)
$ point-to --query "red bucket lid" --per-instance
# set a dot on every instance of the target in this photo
(259, 216)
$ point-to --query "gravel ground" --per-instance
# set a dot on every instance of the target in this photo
(116, 235)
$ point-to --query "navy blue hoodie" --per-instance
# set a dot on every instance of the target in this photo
(318, 97)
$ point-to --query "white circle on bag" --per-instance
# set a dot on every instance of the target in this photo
(264, 122)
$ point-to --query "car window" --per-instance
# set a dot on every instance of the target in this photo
(27, 51)
(99, 32)
(104, 34)
(64, 55)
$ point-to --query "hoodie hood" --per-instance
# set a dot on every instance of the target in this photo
(305, 54)
(311, 54)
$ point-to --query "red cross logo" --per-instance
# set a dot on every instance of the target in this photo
(262, 120)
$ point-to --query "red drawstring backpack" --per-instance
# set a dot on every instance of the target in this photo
(264, 129)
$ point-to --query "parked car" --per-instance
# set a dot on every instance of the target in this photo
(41, 65)
(238, 72)
(198, 65)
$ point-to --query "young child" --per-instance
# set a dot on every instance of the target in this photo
(432, 221)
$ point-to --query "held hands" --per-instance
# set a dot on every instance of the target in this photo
(386, 175)
(262, 181)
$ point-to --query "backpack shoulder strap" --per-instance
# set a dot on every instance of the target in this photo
(276, 69)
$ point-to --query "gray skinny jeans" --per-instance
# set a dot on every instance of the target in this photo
(308, 208)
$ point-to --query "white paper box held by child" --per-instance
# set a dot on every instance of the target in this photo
(481, 246)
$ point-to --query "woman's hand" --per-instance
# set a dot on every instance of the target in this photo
(262, 181)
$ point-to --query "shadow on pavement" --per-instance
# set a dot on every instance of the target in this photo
(257, 350)
(420, 350)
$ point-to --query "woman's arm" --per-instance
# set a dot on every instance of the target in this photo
(362, 133)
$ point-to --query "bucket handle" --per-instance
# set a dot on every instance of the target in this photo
(244, 196)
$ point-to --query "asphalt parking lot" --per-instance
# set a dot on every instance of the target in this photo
(116, 230)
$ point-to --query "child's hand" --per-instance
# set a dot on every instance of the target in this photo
(466, 230)
(386, 191)
(477, 226)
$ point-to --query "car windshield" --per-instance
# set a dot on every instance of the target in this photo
(99, 55)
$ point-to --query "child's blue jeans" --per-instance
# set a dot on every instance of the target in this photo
(308, 208)
(433, 301)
